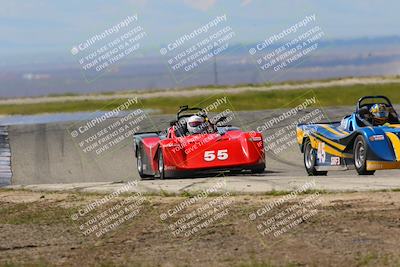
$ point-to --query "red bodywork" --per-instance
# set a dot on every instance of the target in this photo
(233, 150)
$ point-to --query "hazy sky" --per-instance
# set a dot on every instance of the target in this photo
(55, 25)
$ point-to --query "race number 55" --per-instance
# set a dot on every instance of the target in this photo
(220, 154)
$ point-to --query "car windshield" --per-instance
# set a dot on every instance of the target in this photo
(224, 129)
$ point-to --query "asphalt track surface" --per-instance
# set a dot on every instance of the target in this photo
(45, 156)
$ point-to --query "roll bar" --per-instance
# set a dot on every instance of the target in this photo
(186, 108)
(359, 103)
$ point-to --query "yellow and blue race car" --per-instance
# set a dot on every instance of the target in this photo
(367, 140)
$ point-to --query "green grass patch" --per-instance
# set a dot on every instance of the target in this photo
(306, 192)
(27, 213)
(33, 263)
(251, 100)
(254, 263)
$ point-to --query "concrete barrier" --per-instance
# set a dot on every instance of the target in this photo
(46, 153)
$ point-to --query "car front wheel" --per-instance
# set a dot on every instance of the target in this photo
(139, 163)
(161, 171)
(310, 159)
(360, 156)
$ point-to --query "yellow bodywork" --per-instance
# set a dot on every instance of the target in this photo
(330, 147)
(336, 149)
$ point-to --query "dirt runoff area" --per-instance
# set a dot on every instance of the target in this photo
(279, 229)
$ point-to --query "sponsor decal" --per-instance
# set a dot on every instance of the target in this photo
(335, 161)
(321, 155)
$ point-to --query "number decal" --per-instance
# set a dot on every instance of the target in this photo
(221, 155)
(209, 155)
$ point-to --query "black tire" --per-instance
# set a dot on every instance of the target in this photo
(161, 171)
(258, 170)
(310, 159)
(360, 152)
(139, 162)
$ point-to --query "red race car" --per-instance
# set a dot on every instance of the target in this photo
(195, 144)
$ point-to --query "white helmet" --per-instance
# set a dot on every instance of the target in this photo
(196, 124)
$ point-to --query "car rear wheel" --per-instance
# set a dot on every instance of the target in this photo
(360, 156)
(310, 160)
(161, 165)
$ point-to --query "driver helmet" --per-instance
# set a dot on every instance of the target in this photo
(196, 124)
(380, 113)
